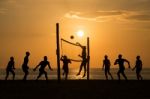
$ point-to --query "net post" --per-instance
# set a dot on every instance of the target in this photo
(58, 52)
(88, 58)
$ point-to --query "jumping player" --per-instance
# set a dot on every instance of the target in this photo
(84, 60)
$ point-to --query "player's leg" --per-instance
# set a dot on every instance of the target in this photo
(118, 74)
(123, 74)
(106, 71)
(7, 74)
(40, 73)
(45, 75)
(140, 75)
(84, 69)
(66, 75)
(13, 73)
(80, 69)
(110, 74)
(26, 74)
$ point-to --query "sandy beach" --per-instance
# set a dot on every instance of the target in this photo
(75, 89)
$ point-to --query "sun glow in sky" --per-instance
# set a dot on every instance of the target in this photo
(80, 33)
(114, 27)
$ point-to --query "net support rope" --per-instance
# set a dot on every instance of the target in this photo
(76, 44)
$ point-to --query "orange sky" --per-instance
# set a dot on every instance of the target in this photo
(114, 27)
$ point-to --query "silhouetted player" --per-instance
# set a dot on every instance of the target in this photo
(84, 59)
(66, 61)
(43, 64)
(138, 66)
(120, 61)
(10, 68)
(106, 65)
(25, 66)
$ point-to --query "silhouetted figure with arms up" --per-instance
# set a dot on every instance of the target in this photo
(120, 61)
(42, 65)
(25, 66)
(66, 62)
(84, 59)
(138, 67)
(106, 65)
(10, 68)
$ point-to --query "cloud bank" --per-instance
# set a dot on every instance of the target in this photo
(100, 16)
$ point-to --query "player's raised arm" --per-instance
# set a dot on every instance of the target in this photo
(134, 67)
(116, 62)
(61, 58)
(50, 66)
(128, 63)
(36, 67)
(69, 61)
(78, 44)
(80, 55)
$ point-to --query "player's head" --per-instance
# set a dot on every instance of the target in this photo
(12, 58)
(119, 56)
(27, 53)
(65, 57)
(45, 58)
(106, 56)
(138, 57)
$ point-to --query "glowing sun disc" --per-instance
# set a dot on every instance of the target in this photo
(80, 33)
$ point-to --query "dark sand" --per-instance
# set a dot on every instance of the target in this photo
(75, 89)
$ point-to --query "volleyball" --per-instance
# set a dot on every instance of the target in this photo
(72, 37)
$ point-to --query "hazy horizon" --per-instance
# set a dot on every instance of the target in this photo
(114, 27)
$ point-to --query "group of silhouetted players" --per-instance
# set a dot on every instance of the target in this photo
(25, 67)
(106, 66)
(120, 61)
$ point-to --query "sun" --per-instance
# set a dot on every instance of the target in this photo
(80, 33)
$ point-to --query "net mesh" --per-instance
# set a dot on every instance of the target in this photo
(71, 50)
